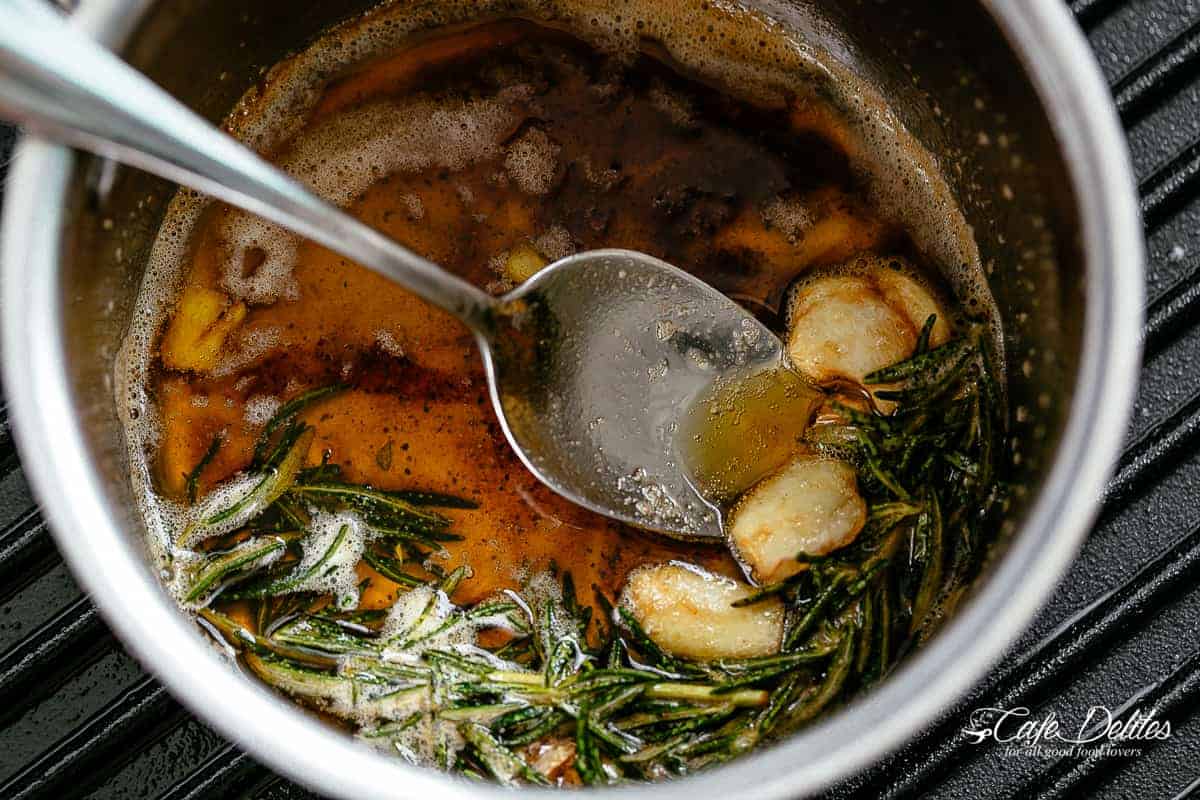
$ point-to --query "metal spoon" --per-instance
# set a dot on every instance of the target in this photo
(591, 363)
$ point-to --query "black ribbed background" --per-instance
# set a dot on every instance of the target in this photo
(78, 718)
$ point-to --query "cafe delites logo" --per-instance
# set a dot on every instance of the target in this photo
(1099, 732)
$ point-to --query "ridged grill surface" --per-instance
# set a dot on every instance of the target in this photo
(79, 718)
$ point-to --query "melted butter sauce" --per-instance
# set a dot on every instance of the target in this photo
(744, 198)
(744, 429)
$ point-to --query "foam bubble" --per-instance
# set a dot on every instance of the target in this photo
(388, 343)
(554, 243)
(497, 264)
(532, 161)
(601, 178)
(226, 494)
(419, 614)
(335, 567)
(260, 409)
(248, 346)
(790, 215)
(341, 158)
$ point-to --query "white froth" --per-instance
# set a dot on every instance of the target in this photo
(426, 619)
(388, 343)
(532, 161)
(223, 495)
(752, 55)
(249, 345)
(555, 243)
(345, 155)
(260, 409)
(337, 575)
(601, 178)
(496, 263)
(789, 215)
(420, 742)
(417, 615)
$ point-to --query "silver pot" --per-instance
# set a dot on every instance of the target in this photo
(1006, 92)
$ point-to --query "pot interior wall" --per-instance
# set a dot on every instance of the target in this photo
(943, 64)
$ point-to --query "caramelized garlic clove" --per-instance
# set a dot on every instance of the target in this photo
(196, 334)
(847, 324)
(522, 263)
(905, 292)
(689, 613)
(811, 507)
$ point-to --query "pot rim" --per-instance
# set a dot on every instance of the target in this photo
(107, 564)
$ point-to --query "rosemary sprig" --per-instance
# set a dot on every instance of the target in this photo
(262, 489)
(234, 632)
(271, 587)
(387, 510)
(628, 717)
(316, 633)
(928, 469)
(287, 414)
(193, 478)
(503, 765)
(216, 568)
(418, 498)
(391, 568)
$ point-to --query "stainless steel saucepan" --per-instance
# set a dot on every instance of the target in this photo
(1006, 93)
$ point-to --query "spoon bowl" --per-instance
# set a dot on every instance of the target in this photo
(595, 361)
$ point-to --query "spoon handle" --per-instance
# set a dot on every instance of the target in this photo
(56, 81)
